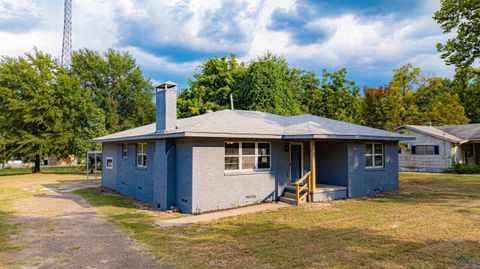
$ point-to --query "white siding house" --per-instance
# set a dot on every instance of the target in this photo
(438, 148)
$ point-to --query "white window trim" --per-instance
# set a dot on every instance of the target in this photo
(142, 154)
(373, 154)
(240, 155)
(126, 151)
(106, 163)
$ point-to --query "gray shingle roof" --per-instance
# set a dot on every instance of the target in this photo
(434, 131)
(254, 124)
(453, 133)
(465, 131)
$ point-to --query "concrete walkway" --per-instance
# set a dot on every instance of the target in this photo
(220, 214)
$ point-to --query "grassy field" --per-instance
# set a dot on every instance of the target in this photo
(46, 170)
(432, 222)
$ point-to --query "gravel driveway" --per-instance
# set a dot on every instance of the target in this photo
(61, 230)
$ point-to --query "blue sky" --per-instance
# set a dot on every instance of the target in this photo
(170, 39)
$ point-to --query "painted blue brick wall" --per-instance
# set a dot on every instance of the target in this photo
(171, 173)
(192, 176)
(109, 175)
(184, 172)
(130, 179)
(164, 175)
(214, 189)
(332, 163)
(363, 181)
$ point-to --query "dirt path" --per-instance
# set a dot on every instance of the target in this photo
(61, 230)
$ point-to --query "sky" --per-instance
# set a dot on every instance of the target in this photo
(170, 39)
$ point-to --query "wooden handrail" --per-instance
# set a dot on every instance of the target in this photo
(300, 186)
(300, 180)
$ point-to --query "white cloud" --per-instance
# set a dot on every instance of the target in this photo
(15, 9)
(151, 62)
(208, 27)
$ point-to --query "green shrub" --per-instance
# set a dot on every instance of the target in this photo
(466, 169)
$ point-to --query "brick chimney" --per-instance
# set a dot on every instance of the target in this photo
(166, 107)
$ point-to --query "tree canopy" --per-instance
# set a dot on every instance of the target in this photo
(210, 88)
(270, 85)
(463, 18)
(333, 97)
(44, 111)
(412, 98)
(118, 87)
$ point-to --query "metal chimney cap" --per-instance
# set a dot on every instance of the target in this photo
(167, 84)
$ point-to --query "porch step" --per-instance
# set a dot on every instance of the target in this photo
(290, 195)
(291, 188)
(287, 200)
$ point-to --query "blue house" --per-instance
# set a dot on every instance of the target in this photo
(232, 158)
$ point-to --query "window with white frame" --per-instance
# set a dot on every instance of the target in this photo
(247, 156)
(142, 154)
(109, 164)
(124, 151)
(374, 155)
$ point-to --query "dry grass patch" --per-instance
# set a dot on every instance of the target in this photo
(432, 222)
(14, 188)
(34, 180)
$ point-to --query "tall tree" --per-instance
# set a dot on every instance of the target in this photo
(437, 104)
(444, 109)
(44, 111)
(405, 81)
(270, 85)
(333, 97)
(462, 17)
(210, 88)
(118, 87)
(381, 108)
(466, 84)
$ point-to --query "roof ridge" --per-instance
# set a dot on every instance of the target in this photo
(214, 114)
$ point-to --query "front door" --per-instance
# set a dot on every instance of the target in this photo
(296, 161)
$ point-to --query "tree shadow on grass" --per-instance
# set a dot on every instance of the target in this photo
(270, 244)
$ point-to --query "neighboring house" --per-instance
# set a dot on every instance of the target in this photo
(438, 148)
(233, 158)
(52, 161)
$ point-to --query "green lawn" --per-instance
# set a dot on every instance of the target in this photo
(46, 170)
(432, 222)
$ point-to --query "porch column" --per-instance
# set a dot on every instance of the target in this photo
(313, 164)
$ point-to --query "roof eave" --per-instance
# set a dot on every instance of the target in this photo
(253, 136)
(349, 137)
(138, 137)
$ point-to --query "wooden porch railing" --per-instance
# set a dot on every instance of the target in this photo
(304, 183)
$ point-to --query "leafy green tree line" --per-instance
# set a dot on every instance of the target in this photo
(49, 111)
(269, 84)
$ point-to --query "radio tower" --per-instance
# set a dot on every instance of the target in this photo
(67, 34)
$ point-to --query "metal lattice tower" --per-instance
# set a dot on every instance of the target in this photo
(67, 34)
